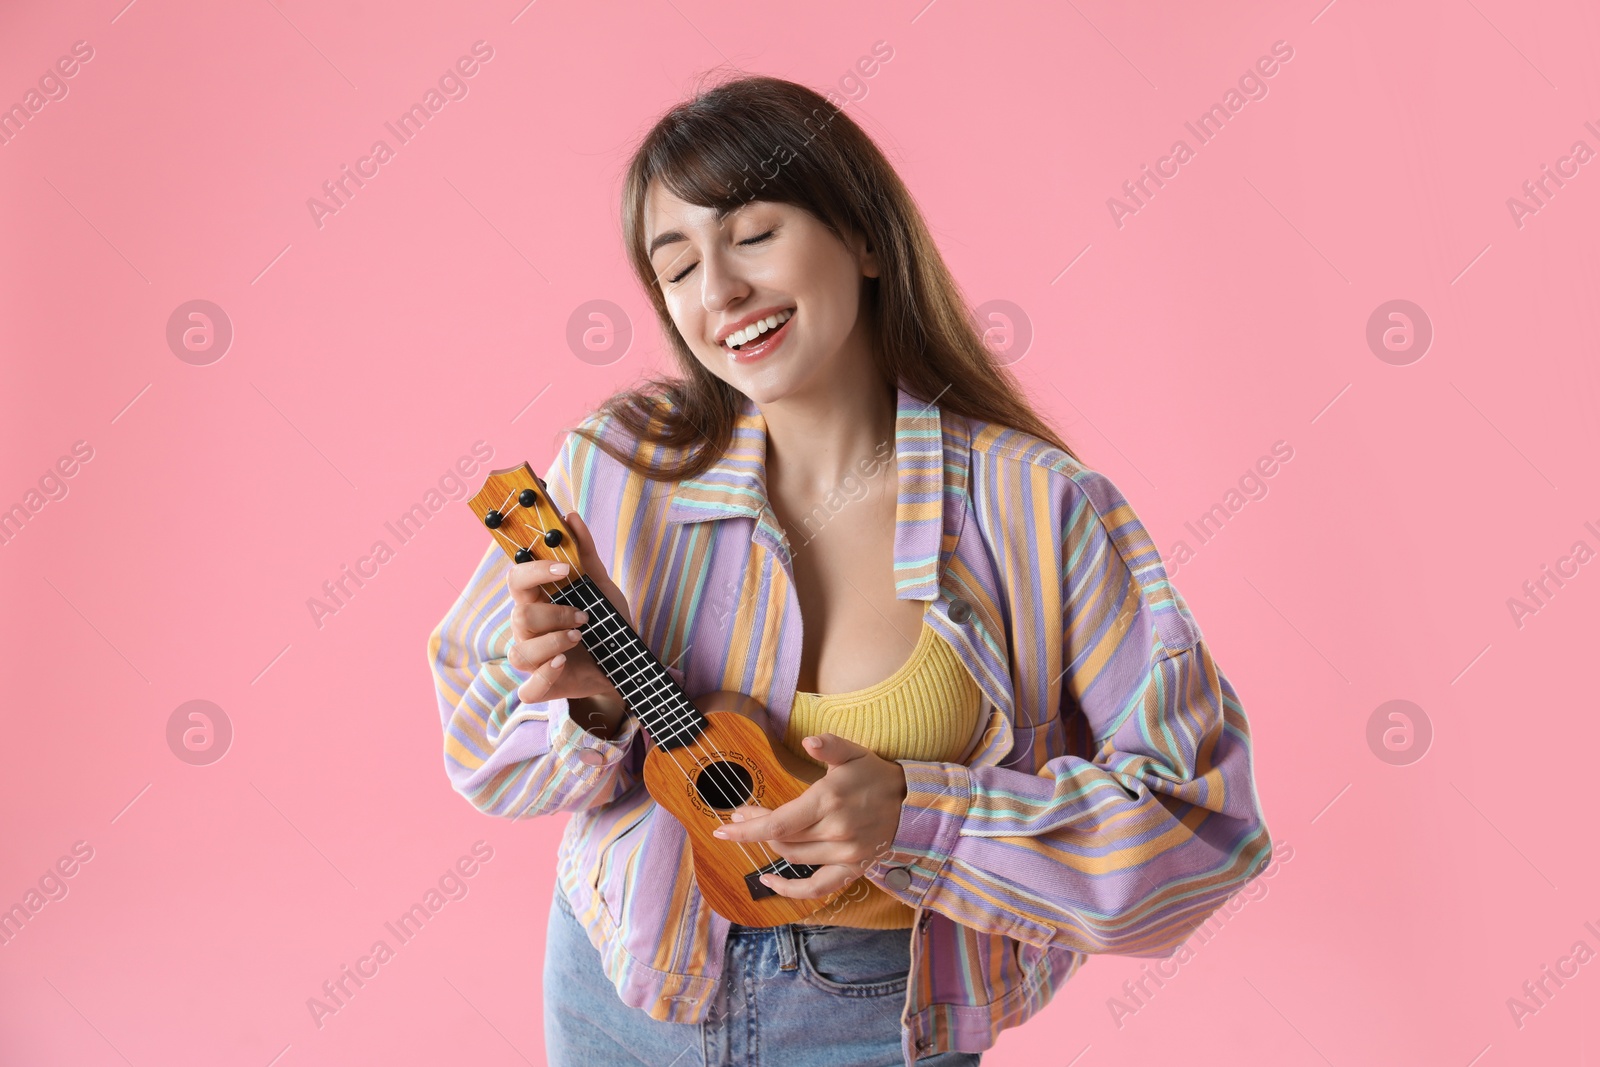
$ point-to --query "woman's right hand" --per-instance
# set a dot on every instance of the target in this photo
(545, 638)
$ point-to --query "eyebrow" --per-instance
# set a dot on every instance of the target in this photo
(675, 236)
(668, 238)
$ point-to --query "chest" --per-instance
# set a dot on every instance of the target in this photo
(855, 631)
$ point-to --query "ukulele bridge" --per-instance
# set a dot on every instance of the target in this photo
(777, 866)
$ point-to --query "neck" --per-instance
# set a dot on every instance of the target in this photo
(821, 438)
(647, 689)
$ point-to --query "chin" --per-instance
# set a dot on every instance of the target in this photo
(766, 381)
(762, 389)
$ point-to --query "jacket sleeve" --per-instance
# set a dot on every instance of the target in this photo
(1126, 852)
(507, 757)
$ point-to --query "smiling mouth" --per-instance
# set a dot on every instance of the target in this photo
(752, 336)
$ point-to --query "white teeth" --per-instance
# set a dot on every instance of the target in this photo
(757, 328)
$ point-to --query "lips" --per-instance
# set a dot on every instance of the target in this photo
(759, 347)
(753, 327)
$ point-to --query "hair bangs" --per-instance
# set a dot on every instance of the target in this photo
(716, 160)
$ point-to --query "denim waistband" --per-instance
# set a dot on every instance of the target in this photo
(735, 930)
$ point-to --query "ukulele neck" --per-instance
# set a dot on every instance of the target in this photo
(648, 690)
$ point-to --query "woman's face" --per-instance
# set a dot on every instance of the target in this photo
(764, 261)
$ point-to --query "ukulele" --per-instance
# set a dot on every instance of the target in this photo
(705, 757)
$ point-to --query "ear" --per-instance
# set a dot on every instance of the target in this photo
(866, 258)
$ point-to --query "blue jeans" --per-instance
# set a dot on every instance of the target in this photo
(798, 995)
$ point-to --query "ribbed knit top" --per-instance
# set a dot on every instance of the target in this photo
(926, 710)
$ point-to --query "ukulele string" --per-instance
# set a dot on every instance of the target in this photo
(574, 585)
(678, 720)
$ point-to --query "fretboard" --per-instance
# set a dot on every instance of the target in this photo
(647, 688)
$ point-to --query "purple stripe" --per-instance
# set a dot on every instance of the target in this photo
(1024, 824)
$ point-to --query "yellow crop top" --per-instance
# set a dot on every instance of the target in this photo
(926, 710)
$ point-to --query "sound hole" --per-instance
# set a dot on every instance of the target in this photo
(723, 785)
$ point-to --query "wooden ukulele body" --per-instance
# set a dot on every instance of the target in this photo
(708, 754)
(731, 763)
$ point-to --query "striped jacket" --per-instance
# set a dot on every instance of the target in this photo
(1106, 803)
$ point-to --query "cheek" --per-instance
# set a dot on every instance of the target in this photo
(692, 327)
(836, 303)
(688, 324)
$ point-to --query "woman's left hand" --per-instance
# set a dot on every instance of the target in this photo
(842, 822)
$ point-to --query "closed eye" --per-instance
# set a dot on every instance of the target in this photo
(757, 239)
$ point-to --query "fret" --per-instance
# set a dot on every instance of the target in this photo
(643, 681)
(732, 762)
(665, 712)
(656, 690)
(670, 711)
(635, 655)
(646, 687)
(614, 633)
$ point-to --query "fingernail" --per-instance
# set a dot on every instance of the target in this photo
(573, 635)
(766, 879)
(558, 660)
(737, 817)
(582, 616)
(719, 832)
(559, 568)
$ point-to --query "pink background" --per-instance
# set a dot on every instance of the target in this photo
(1228, 313)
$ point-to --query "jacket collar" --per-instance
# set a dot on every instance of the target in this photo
(933, 458)
(931, 465)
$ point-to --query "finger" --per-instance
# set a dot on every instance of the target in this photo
(534, 652)
(593, 567)
(542, 681)
(527, 580)
(586, 553)
(826, 880)
(789, 822)
(531, 620)
(819, 853)
(834, 750)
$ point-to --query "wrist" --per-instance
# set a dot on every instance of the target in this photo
(599, 716)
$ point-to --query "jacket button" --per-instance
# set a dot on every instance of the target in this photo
(960, 611)
(592, 757)
(897, 878)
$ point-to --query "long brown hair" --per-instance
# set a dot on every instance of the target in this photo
(762, 138)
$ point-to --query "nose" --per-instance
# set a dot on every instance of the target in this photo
(721, 284)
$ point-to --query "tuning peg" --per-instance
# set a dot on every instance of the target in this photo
(527, 498)
(552, 537)
(493, 519)
(524, 556)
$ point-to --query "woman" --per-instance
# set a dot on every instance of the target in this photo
(1023, 749)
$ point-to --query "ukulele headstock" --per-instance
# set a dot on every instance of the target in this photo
(515, 507)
